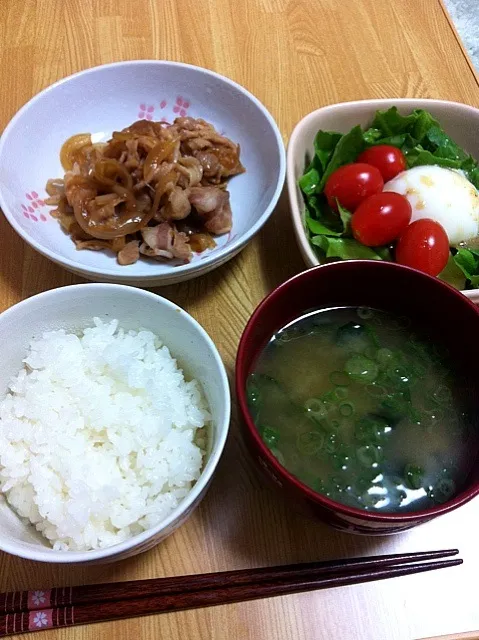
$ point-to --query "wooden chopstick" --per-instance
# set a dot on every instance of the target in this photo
(17, 601)
(289, 582)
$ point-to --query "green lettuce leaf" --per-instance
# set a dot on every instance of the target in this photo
(419, 156)
(324, 145)
(346, 150)
(391, 122)
(317, 228)
(443, 146)
(308, 183)
(345, 248)
(468, 262)
(345, 216)
(471, 170)
(423, 123)
(453, 274)
(328, 222)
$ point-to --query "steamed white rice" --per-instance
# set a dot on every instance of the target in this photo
(99, 436)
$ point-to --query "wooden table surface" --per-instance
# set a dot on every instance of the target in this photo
(295, 56)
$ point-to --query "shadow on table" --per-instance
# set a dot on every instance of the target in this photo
(279, 254)
(258, 527)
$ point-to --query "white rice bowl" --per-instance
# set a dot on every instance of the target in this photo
(100, 436)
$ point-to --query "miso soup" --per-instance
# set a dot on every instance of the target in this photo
(364, 410)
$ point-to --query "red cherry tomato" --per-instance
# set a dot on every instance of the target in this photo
(388, 159)
(351, 184)
(381, 218)
(424, 245)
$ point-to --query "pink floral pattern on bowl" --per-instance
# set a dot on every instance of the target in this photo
(150, 111)
(181, 106)
(145, 112)
(32, 209)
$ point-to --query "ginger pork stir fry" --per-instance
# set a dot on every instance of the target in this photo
(154, 189)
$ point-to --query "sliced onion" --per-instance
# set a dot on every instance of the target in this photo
(121, 224)
(160, 188)
(109, 172)
(71, 148)
(55, 186)
(123, 136)
(157, 155)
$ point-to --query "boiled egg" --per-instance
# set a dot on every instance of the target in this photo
(445, 195)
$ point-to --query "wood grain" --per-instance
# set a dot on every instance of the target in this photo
(295, 56)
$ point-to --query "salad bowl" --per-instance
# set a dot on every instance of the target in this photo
(459, 123)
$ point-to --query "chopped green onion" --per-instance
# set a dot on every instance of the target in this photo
(340, 393)
(328, 396)
(353, 337)
(252, 389)
(270, 436)
(398, 375)
(340, 461)
(331, 444)
(419, 349)
(316, 407)
(285, 335)
(442, 395)
(414, 476)
(370, 352)
(329, 401)
(394, 407)
(361, 369)
(365, 313)
(369, 455)
(371, 429)
(376, 390)
(346, 409)
(373, 338)
(329, 425)
(370, 500)
(431, 419)
(443, 490)
(385, 357)
(310, 443)
(377, 318)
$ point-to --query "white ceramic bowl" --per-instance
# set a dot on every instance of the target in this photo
(460, 121)
(108, 98)
(73, 308)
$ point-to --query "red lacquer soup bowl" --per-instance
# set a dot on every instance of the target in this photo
(448, 317)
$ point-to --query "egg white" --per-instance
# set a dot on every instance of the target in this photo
(444, 195)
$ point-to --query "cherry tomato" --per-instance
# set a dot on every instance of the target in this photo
(424, 245)
(351, 184)
(388, 159)
(381, 218)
